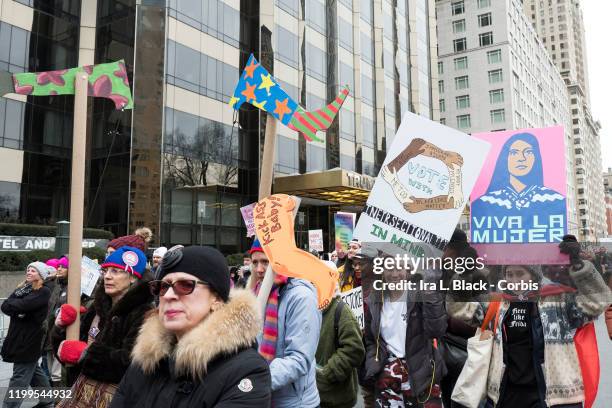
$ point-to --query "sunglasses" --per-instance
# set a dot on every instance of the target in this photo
(180, 287)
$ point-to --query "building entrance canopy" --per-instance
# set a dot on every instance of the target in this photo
(337, 186)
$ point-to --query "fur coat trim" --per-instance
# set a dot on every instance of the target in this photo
(232, 327)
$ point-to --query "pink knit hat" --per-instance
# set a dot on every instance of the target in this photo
(53, 262)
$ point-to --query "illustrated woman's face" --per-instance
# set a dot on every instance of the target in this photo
(520, 158)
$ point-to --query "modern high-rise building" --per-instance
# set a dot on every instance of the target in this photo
(183, 162)
(560, 26)
(495, 74)
(607, 181)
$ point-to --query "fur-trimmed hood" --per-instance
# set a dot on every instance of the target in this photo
(232, 327)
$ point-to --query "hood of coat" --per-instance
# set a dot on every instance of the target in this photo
(136, 296)
(232, 327)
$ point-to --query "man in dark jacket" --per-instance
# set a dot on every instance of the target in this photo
(422, 363)
(339, 353)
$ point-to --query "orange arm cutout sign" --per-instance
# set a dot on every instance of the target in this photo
(273, 217)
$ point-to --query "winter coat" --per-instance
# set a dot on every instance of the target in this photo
(293, 370)
(427, 320)
(108, 357)
(560, 311)
(59, 293)
(337, 377)
(23, 342)
(214, 365)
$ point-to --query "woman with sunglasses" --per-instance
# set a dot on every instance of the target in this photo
(98, 360)
(198, 350)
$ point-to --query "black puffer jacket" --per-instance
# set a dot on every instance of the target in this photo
(427, 320)
(214, 365)
(23, 342)
(108, 357)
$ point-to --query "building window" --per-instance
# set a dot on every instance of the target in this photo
(460, 44)
(484, 20)
(443, 121)
(463, 101)
(442, 106)
(345, 34)
(441, 87)
(496, 96)
(440, 68)
(462, 82)
(494, 56)
(485, 39)
(484, 3)
(464, 121)
(495, 76)
(458, 26)
(498, 116)
(461, 63)
(457, 8)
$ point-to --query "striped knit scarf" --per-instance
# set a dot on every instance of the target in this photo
(267, 348)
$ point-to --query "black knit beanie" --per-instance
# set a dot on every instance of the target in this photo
(205, 263)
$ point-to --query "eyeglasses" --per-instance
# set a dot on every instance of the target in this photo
(112, 271)
(180, 287)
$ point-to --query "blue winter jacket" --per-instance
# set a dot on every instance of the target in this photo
(294, 368)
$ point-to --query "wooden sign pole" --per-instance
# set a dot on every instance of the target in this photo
(265, 190)
(77, 199)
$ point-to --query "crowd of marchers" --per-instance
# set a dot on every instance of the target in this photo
(185, 330)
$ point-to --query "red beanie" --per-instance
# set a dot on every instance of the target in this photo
(139, 240)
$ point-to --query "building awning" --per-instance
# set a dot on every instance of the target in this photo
(336, 186)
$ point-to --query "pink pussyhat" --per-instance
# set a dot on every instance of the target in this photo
(63, 261)
(53, 262)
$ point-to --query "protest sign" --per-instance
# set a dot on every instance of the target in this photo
(345, 224)
(354, 300)
(247, 216)
(273, 218)
(90, 273)
(423, 185)
(520, 197)
(315, 240)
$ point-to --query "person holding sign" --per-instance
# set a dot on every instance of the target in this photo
(402, 358)
(108, 330)
(534, 361)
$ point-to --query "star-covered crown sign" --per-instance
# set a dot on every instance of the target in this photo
(259, 88)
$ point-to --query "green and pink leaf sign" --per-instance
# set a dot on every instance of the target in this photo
(105, 81)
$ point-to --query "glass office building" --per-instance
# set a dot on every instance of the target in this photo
(183, 162)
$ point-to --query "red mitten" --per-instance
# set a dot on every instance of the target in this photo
(66, 316)
(70, 351)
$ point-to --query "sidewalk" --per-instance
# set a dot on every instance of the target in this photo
(6, 370)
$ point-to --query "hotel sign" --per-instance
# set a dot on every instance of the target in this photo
(24, 243)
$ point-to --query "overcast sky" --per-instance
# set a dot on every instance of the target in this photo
(598, 27)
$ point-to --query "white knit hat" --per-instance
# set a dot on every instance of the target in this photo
(161, 251)
(41, 268)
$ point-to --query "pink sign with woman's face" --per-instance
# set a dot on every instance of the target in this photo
(520, 194)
